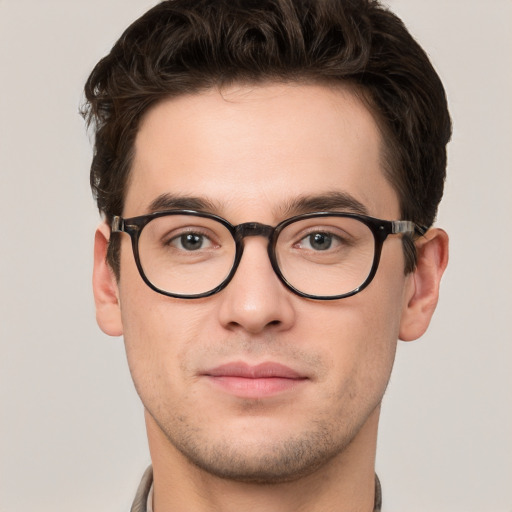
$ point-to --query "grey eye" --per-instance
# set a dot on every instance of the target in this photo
(319, 241)
(191, 242)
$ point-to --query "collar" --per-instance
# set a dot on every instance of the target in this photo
(143, 501)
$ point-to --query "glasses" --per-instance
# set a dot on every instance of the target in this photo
(323, 255)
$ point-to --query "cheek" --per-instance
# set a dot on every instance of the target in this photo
(151, 331)
(358, 336)
(159, 334)
(363, 344)
(379, 322)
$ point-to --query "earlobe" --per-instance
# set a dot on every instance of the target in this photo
(106, 296)
(422, 290)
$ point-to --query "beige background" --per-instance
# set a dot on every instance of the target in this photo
(71, 429)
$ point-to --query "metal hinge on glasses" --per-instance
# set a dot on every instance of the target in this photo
(117, 224)
(407, 226)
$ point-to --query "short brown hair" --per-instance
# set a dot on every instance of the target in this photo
(186, 46)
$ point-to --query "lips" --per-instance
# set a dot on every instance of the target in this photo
(254, 381)
(260, 371)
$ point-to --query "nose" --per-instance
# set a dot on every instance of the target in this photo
(256, 300)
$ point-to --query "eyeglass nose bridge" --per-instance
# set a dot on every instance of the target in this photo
(241, 231)
(253, 229)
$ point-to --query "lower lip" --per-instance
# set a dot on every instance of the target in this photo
(253, 387)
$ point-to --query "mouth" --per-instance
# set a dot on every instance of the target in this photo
(254, 381)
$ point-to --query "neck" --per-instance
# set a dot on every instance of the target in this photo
(346, 483)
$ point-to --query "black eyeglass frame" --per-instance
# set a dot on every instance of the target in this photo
(381, 229)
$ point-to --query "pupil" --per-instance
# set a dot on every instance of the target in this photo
(191, 241)
(320, 241)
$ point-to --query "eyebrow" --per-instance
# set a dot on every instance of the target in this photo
(329, 201)
(177, 202)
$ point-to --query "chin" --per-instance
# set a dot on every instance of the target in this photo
(264, 461)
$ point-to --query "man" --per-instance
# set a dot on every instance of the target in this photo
(269, 173)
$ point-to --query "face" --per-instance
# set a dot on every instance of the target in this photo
(256, 383)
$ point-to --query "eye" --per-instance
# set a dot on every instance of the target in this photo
(191, 242)
(317, 241)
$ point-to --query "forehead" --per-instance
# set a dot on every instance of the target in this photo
(250, 150)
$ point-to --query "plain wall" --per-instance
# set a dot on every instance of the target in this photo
(71, 426)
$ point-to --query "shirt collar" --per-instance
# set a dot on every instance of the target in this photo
(143, 501)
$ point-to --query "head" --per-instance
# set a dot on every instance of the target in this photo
(250, 110)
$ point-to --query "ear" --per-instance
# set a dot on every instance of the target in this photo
(422, 290)
(104, 283)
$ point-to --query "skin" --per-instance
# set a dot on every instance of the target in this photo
(251, 150)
